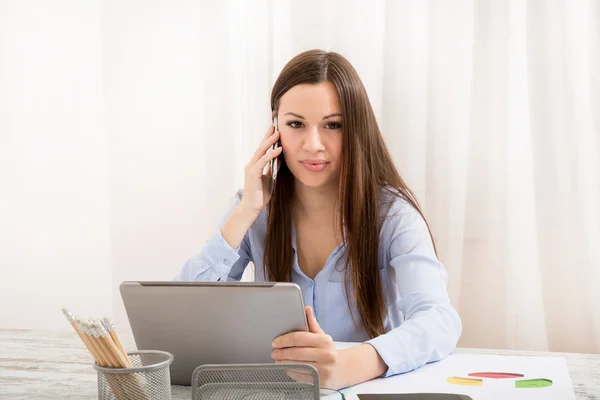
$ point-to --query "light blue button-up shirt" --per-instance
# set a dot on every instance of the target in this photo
(421, 324)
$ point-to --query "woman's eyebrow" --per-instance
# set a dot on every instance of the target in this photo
(325, 117)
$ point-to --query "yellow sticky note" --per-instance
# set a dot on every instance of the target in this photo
(457, 380)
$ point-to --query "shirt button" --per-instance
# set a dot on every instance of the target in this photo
(226, 262)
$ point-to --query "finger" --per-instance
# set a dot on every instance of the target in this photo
(297, 339)
(267, 142)
(269, 132)
(298, 354)
(313, 325)
(267, 171)
(300, 375)
(264, 160)
(257, 154)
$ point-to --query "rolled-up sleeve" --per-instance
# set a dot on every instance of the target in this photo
(423, 326)
(217, 260)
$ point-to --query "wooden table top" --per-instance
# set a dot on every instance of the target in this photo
(56, 365)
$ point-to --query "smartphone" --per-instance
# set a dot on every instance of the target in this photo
(274, 162)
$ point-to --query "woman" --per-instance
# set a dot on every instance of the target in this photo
(343, 225)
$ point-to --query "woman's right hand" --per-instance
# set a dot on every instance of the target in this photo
(257, 191)
(257, 186)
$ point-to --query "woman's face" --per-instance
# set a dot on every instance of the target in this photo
(310, 122)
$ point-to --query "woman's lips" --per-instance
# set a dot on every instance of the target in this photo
(314, 165)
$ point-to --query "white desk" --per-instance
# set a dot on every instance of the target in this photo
(55, 365)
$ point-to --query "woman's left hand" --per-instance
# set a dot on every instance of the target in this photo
(314, 347)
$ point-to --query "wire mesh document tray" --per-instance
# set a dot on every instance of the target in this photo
(255, 382)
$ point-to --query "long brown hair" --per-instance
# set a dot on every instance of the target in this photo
(366, 169)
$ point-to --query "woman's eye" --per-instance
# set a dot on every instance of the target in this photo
(333, 125)
(330, 125)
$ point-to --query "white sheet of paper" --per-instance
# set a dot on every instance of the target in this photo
(432, 378)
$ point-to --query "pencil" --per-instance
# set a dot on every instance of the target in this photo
(106, 338)
(71, 318)
(115, 362)
(102, 359)
(102, 341)
(110, 327)
(135, 385)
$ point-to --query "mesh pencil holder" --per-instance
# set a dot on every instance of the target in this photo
(255, 382)
(148, 378)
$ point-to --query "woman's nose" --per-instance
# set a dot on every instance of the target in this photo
(312, 142)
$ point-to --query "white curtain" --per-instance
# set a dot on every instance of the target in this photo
(491, 109)
(492, 112)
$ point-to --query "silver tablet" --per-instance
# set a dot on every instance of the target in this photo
(212, 322)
